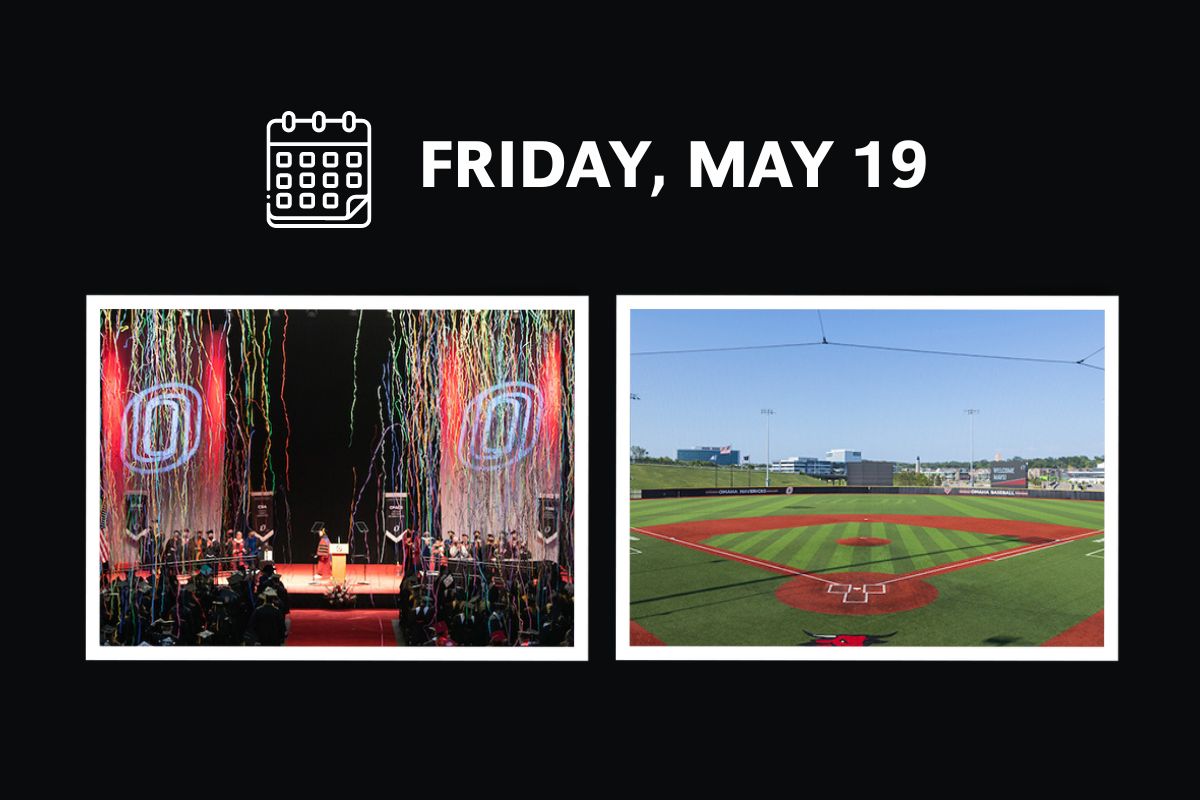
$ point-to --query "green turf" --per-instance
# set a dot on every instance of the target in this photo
(666, 476)
(687, 597)
(815, 548)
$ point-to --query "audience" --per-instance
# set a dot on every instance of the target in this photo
(469, 602)
(521, 607)
(157, 609)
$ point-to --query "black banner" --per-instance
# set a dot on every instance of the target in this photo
(548, 515)
(393, 512)
(137, 512)
(262, 511)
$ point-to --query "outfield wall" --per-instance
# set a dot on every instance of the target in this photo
(649, 494)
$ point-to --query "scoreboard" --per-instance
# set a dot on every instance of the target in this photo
(1011, 474)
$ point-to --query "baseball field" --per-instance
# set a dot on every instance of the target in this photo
(867, 569)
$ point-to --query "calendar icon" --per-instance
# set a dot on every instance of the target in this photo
(318, 171)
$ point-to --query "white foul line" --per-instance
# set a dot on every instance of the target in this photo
(728, 554)
(952, 565)
(1014, 554)
(1036, 547)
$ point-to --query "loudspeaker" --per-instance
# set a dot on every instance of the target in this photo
(262, 511)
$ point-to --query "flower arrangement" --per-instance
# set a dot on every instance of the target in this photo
(340, 596)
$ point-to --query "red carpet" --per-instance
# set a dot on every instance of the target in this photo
(315, 627)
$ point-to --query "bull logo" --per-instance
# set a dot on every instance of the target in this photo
(847, 639)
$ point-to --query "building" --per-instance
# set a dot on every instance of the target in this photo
(808, 466)
(947, 473)
(844, 456)
(705, 454)
(1087, 475)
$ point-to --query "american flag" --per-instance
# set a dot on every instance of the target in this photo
(727, 449)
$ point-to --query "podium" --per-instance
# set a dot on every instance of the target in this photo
(337, 554)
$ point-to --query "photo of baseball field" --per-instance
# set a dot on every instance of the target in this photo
(884, 473)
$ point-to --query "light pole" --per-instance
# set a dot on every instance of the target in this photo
(971, 412)
(769, 412)
(632, 396)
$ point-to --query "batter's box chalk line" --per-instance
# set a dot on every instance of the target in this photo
(857, 594)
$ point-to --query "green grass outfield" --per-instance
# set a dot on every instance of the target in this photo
(656, 476)
(688, 597)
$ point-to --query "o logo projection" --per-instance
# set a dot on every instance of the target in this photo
(500, 426)
(160, 430)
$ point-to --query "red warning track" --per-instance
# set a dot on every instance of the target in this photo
(640, 637)
(1089, 633)
(1028, 532)
(864, 593)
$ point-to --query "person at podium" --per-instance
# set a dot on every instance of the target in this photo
(324, 563)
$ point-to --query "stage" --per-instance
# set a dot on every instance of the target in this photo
(371, 579)
(301, 579)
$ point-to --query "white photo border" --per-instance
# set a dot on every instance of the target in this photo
(95, 303)
(626, 304)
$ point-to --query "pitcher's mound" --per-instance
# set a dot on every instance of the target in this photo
(864, 541)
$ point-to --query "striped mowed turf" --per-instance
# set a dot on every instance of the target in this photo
(688, 597)
(815, 548)
(1082, 514)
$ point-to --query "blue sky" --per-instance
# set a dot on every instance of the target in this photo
(891, 406)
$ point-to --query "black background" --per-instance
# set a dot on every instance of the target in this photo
(1015, 200)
